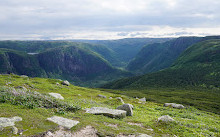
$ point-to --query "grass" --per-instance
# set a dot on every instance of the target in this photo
(203, 99)
(188, 122)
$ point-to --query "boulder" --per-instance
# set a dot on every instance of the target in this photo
(6, 122)
(56, 95)
(113, 113)
(119, 98)
(165, 119)
(65, 82)
(126, 107)
(67, 123)
(101, 96)
(174, 105)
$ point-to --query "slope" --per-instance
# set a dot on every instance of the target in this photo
(199, 65)
(72, 62)
(188, 122)
(77, 65)
(18, 62)
(157, 56)
(35, 47)
(127, 48)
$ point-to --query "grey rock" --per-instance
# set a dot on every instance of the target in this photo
(14, 130)
(24, 76)
(143, 135)
(110, 97)
(56, 95)
(119, 98)
(65, 82)
(101, 96)
(165, 119)
(67, 123)
(142, 99)
(174, 105)
(127, 108)
(113, 113)
(6, 122)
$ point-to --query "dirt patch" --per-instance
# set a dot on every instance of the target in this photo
(88, 131)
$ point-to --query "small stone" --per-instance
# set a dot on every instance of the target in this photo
(119, 98)
(165, 119)
(143, 135)
(101, 96)
(67, 123)
(127, 108)
(57, 84)
(56, 95)
(79, 94)
(174, 105)
(110, 97)
(150, 129)
(24, 76)
(49, 134)
(65, 82)
(14, 130)
(142, 99)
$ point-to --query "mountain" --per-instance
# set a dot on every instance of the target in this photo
(80, 63)
(77, 64)
(18, 62)
(198, 66)
(125, 49)
(157, 56)
(40, 46)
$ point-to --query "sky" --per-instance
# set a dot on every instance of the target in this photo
(107, 19)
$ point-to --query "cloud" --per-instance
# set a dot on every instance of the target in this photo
(116, 18)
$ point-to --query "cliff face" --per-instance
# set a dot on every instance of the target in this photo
(73, 61)
(19, 63)
(76, 64)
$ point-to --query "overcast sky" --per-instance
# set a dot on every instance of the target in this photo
(107, 19)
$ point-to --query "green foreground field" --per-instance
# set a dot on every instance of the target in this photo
(188, 122)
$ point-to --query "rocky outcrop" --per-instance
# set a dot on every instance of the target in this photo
(113, 113)
(174, 105)
(67, 123)
(127, 108)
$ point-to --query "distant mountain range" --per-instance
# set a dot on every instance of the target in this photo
(96, 62)
(85, 64)
(198, 65)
